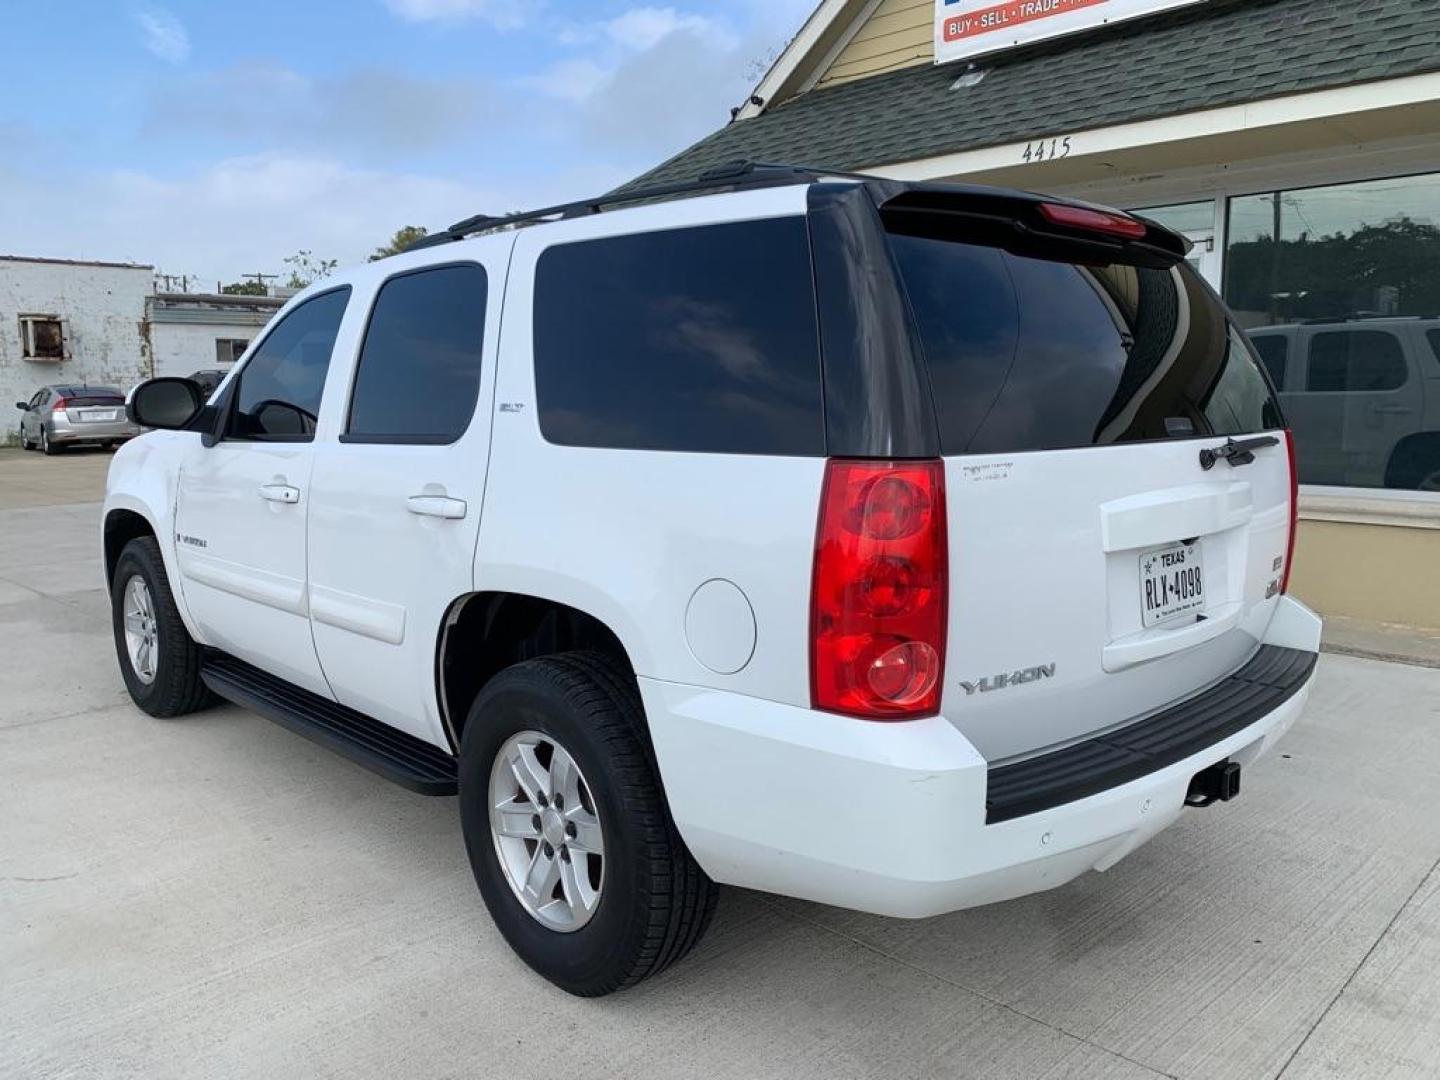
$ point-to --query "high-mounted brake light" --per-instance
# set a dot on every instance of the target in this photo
(1294, 512)
(1098, 221)
(878, 597)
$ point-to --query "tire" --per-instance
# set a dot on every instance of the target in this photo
(47, 448)
(174, 687)
(654, 902)
(1415, 464)
(25, 444)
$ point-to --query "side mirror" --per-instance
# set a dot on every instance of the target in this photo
(167, 403)
(23, 406)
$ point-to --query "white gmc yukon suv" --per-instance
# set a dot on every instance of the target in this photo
(899, 546)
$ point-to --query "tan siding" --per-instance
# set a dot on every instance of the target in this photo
(1373, 572)
(898, 34)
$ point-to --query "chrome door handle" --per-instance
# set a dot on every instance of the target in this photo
(281, 493)
(436, 506)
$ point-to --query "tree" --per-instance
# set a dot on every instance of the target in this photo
(244, 288)
(305, 269)
(1386, 269)
(403, 238)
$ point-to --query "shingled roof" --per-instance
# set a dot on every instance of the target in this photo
(1217, 53)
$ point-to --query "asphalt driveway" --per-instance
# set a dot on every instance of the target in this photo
(217, 897)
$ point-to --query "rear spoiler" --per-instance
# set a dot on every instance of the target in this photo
(1026, 224)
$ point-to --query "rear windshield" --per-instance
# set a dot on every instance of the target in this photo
(1028, 354)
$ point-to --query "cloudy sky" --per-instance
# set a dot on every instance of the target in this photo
(215, 139)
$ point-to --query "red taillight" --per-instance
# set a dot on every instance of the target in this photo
(1294, 512)
(1100, 221)
(877, 602)
(59, 406)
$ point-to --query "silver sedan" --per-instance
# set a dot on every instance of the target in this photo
(66, 415)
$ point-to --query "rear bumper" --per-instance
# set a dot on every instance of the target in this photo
(88, 433)
(891, 818)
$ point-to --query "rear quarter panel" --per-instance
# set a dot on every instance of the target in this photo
(629, 536)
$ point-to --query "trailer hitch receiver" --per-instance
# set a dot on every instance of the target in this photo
(1218, 783)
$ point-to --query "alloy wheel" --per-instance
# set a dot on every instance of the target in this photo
(547, 831)
(141, 632)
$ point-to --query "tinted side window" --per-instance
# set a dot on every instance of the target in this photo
(1274, 350)
(698, 339)
(1342, 360)
(419, 369)
(1029, 354)
(279, 390)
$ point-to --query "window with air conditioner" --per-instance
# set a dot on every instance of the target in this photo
(42, 337)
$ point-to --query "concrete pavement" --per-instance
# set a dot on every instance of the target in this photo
(214, 896)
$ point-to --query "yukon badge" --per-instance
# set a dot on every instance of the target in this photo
(1014, 678)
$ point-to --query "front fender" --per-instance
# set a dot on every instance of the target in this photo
(144, 479)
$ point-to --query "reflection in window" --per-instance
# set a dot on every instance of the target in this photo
(1032, 354)
(1274, 350)
(700, 339)
(1349, 275)
(419, 367)
(1354, 360)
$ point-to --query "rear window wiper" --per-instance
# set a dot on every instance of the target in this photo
(1240, 452)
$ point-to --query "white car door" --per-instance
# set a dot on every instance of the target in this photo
(242, 503)
(396, 493)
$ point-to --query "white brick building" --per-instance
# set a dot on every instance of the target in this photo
(102, 323)
(63, 321)
(190, 332)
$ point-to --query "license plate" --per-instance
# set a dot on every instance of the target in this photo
(1172, 582)
(88, 415)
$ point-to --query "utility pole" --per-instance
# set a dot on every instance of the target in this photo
(1275, 263)
(168, 282)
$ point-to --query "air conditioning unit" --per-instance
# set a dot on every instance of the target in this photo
(43, 338)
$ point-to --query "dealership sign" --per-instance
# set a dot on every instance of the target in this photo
(965, 28)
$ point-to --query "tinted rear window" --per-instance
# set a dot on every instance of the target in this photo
(75, 401)
(698, 339)
(1351, 361)
(1027, 354)
(1274, 350)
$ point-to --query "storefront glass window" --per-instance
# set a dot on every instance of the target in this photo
(1340, 289)
(1197, 222)
(1183, 217)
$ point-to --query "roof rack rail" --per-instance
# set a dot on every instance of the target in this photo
(733, 175)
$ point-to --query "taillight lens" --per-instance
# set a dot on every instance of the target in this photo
(1294, 512)
(60, 405)
(1096, 221)
(878, 598)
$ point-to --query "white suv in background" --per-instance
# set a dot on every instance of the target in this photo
(898, 546)
(1362, 396)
